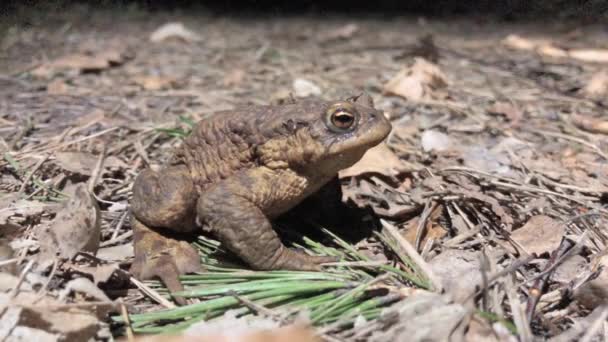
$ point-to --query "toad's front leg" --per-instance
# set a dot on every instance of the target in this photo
(237, 211)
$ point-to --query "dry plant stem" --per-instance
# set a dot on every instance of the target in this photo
(32, 171)
(119, 238)
(536, 291)
(429, 207)
(125, 316)
(43, 291)
(506, 271)
(25, 271)
(98, 168)
(152, 294)
(519, 318)
(412, 253)
(595, 148)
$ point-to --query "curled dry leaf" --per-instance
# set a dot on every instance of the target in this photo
(541, 234)
(75, 228)
(379, 159)
(594, 125)
(86, 61)
(421, 81)
(174, 30)
(155, 82)
(547, 48)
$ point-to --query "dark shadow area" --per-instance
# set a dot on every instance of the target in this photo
(506, 10)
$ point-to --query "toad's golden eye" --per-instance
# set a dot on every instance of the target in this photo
(341, 118)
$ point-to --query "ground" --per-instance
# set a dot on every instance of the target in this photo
(495, 175)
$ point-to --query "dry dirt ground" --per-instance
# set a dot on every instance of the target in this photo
(495, 175)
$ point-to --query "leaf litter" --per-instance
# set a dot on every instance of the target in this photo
(494, 179)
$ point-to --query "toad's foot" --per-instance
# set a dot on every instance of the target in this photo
(161, 256)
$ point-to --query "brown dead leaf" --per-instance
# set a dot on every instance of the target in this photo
(75, 228)
(84, 163)
(594, 125)
(155, 82)
(597, 87)
(86, 61)
(234, 78)
(174, 31)
(379, 159)
(541, 234)
(594, 293)
(421, 81)
(433, 230)
(549, 49)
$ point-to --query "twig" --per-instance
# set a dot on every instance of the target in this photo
(519, 318)
(97, 171)
(152, 294)
(412, 253)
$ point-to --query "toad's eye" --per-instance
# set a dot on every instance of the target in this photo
(341, 119)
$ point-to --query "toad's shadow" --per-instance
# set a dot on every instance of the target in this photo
(349, 223)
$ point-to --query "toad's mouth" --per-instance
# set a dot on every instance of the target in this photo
(363, 139)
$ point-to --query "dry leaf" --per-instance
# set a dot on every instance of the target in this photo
(379, 159)
(547, 48)
(84, 163)
(75, 228)
(87, 61)
(594, 125)
(234, 78)
(590, 55)
(174, 30)
(305, 88)
(154, 82)
(421, 81)
(597, 86)
(433, 230)
(539, 235)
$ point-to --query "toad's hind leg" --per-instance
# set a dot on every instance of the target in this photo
(237, 217)
(163, 204)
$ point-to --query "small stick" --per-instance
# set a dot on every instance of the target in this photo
(98, 167)
(412, 253)
(152, 294)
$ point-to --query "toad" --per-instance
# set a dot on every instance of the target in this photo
(238, 171)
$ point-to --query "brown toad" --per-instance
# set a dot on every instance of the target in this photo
(239, 170)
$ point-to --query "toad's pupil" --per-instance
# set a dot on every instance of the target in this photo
(343, 119)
